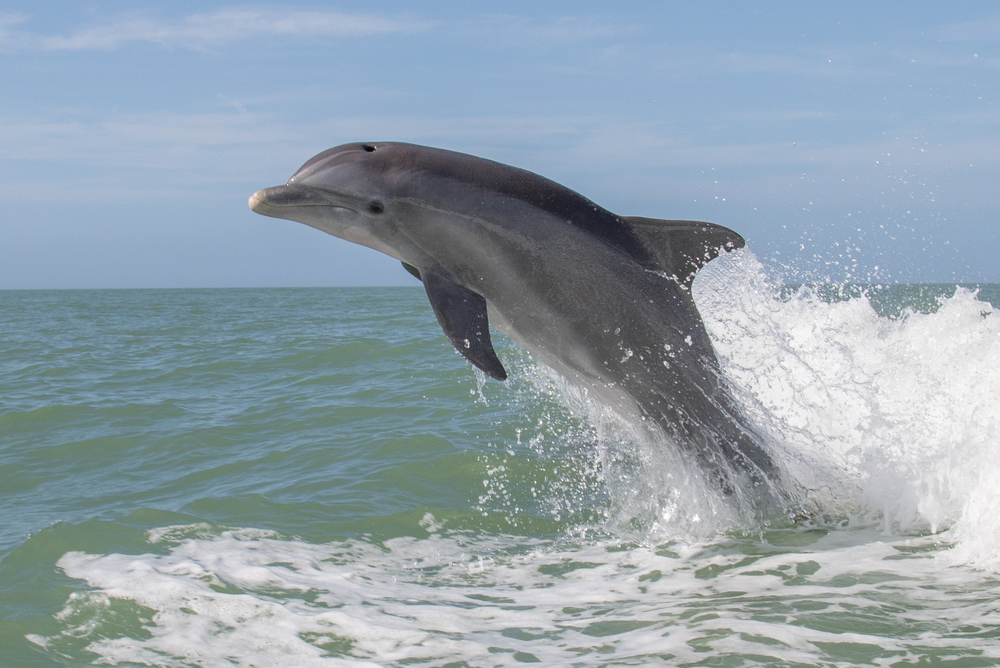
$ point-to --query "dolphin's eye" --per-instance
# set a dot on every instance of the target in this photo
(368, 147)
(376, 207)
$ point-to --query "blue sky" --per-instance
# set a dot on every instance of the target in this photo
(840, 139)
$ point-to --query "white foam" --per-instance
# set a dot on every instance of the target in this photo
(247, 598)
(897, 419)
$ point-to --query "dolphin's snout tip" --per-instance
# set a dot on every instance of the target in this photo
(256, 200)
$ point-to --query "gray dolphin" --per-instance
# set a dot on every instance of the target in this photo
(603, 299)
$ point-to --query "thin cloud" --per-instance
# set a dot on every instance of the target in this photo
(558, 31)
(777, 115)
(228, 145)
(205, 30)
(982, 30)
(8, 18)
(7, 21)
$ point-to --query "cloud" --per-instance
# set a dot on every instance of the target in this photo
(131, 153)
(558, 31)
(624, 164)
(7, 20)
(167, 140)
(776, 115)
(982, 30)
(199, 31)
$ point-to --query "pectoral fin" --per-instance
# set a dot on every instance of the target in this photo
(462, 314)
(413, 270)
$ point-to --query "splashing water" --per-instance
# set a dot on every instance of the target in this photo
(896, 419)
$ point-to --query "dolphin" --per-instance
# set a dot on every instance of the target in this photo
(604, 300)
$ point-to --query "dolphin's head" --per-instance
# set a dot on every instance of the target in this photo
(345, 191)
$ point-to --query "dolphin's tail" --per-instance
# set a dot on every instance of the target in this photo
(730, 451)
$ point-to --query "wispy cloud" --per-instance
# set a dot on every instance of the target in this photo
(206, 30)
(207, 150)
(560, 30)
(983, 30)
(7, 22)
(7, 19)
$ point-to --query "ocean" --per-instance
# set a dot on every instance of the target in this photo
(314, 477)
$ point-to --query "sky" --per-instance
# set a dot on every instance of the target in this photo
(847, 140)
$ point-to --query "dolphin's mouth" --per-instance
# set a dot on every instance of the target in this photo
(276, 201)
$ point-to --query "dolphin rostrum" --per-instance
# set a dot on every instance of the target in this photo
(603, 299)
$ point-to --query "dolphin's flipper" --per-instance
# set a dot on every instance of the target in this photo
(413, 270)
(462, 314)
(682, 247)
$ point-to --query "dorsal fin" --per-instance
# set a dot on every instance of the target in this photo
(681, 247)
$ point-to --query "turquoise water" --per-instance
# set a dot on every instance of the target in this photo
(313, 477)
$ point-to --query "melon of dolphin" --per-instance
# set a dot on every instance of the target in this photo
(603, 299)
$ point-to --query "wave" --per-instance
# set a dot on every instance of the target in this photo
(891, 417)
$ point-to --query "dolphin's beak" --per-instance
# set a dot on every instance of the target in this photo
(257, 201)
(269, 201)
(278, 201)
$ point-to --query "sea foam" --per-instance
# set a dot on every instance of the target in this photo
(215, 597)
(895, 420)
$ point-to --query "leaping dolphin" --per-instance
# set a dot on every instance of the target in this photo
(603, 299)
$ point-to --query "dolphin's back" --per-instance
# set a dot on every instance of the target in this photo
(527, 187)
(675, 247)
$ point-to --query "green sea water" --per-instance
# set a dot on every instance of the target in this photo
(313, 477)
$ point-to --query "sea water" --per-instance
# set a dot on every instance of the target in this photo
(313, 477)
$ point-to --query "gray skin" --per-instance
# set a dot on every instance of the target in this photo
(604, 300)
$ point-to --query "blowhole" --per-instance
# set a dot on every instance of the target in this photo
(376, 207)
(368, 147)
